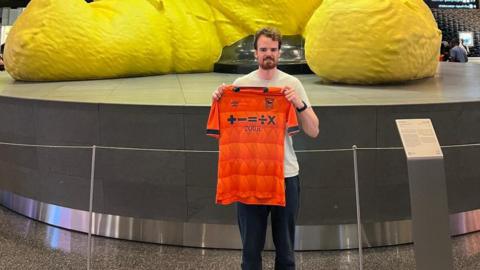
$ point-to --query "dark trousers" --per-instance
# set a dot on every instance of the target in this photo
(252, 221)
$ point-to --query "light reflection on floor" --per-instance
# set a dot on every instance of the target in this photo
(27, 244)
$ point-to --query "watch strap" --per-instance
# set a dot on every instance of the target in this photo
(303, 108)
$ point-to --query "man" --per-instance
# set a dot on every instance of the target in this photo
(462, 45)
(458, 54)
(252, 219)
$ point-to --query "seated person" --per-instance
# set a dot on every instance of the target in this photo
(457, 54)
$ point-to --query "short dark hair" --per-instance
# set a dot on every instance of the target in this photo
(269, 32)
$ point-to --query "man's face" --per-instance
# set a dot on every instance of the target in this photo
(267, 53)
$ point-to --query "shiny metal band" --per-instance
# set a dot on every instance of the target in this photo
(315, 237)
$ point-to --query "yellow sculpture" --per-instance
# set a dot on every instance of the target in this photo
(74, 40)
(70, 39)
(237, 19)
(366, 42)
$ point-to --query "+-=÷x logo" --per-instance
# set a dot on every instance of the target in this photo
(270, 120)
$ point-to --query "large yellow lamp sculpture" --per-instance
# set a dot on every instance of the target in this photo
(372, 41)
(361, 41)
(71, 39)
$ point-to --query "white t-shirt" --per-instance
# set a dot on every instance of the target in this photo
(280, 79)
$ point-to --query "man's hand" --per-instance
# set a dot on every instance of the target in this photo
(308, 119)
(292, 96)
(217, 94)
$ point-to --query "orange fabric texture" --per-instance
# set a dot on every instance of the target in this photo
(250, 123)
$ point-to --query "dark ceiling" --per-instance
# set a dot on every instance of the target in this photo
(13, 3)
(19, 3)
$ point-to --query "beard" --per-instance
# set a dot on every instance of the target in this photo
(268, 63)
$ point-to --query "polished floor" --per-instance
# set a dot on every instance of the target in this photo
(454, 82)
(27, 244)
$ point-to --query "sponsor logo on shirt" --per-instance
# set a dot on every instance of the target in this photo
(264, 120)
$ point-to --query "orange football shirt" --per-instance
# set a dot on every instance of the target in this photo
(250, 123)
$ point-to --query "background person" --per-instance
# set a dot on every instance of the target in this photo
(457, 54)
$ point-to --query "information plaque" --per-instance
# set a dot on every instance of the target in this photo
(428, 195)
(419, 139)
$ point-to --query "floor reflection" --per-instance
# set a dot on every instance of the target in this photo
(28, 244)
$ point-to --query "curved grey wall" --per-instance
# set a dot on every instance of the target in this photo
(178, 186)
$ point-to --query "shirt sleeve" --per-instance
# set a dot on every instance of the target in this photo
(301, 92)
(213, 125)
(292, 122)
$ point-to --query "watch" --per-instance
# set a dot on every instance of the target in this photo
(303, 108)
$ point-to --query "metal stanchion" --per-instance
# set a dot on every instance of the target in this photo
(357, 197)
(90, 209)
